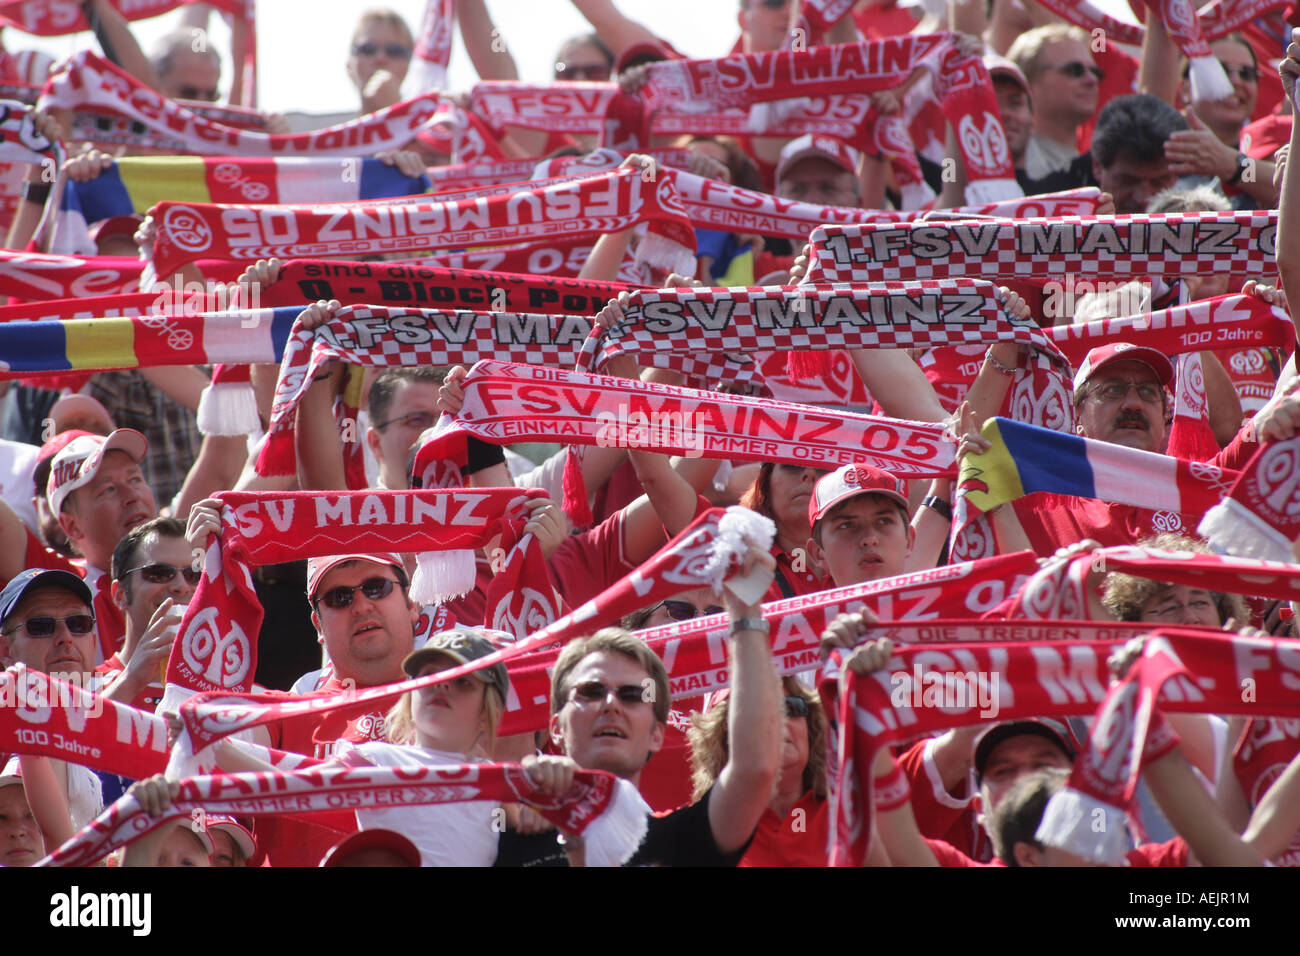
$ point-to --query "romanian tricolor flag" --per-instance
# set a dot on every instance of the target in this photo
(1025, 459)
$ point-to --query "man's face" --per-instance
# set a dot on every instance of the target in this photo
(1065, 86)
(61, 653)
(1017, 117)
(96, 515)
(610, 734)
(367, 640)
(376, 46)
(1012, 759)
(147, 596)
(21, 841)
(863, 538)
(1179, 604)
(763, 25)
(1237, 109)
(1133, 184)
(818, 180)
(413, 409)
(192, 76)
(1128, 419)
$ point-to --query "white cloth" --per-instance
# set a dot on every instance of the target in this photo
(1044, 156)
(17, 462)
(447, 834)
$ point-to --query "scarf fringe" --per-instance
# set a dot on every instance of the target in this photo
(228, 408)
(1081, 824)
(1232, 528)
(809, 366)
(993, 190)
(615, 835)
(442, 575)
(738, 529)
(575, 502)
(1209, 82)
(663, 252)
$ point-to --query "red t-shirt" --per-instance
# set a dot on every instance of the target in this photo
(797, 840)
(1173, 853)
(791, 582)
(666, 780)
(939, 814)
(147, 700)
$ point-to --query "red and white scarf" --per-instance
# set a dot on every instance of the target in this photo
(20, 142)
(604, 203)
(433, 47)
(1172, 244)
(33, 275)
(54, 18)
(607, 811)
(1260, 517)
(90, 82)
(507, 403)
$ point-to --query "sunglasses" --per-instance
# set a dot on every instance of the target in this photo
(773, 4)
(165, 574)
(597, 72)
(684, 610)
(194, 93)
(594, 692)
(376, 589)
(420, 420)
(394, 50)
(46, 626)
(796, 706)
(1076, 69)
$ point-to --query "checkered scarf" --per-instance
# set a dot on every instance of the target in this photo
(607, 812)
(1036, 679)
(603, 203)
(1113, 247)
(19, 140)
(1260, 517)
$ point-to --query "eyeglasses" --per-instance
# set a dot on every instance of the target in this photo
(796, 706)
(194, 93)
(165, 573)
(46, 626)
(595, 72)
(1247, 73)
(1173, 612)
(1117, 391)
(395, 50)
(1076, 69)
(684, 610)
(773, 4)
(376, 589)
(594, 692)
(420, 420)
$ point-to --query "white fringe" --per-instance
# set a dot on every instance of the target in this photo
(737, 530)
(442, 575)
(663, 253)
(614, 836)
(1070, 823)
(916, 195)
(1232, 528)
(1209, 82)
(228, 408)
(992, 190)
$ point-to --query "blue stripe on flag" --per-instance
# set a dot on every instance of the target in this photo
(104, 196)
(281, 323)
(380, 181)
(1048, 460)
(33, 346)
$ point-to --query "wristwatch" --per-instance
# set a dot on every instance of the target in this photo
(1242, 162)
(750, 624)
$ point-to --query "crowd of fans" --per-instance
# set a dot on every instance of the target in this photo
(108, 492)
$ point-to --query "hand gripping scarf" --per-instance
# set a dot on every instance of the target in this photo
(507, 403)
(1260, 517)
(604, 203)
(706, 554)
(606, 811)
(1034, 679)
(88, 81)
(1121, 247)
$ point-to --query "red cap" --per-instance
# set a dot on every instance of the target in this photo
(850, 481)
(1104, 355)
(377, 839)
(317, 568)
(826, 147)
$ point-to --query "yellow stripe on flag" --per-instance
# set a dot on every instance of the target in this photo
(151, 179)
(100, 343)
(990, 479)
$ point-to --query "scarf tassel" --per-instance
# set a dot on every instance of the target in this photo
(228, 408)
(442, 575)
(1232, 528)
(575, 503)
(614, 836)
(809, 365)
(1209, 82)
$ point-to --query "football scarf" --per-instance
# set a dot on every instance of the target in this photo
(1260, 517)
(599, 204)
(1112, 247)
(55, 18)
(433, 48)
(19, 140)
(33, 275)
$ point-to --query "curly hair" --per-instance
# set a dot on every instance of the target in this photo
(708, 738)
(1126, 595)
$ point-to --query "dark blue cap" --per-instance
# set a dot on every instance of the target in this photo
(34, 578)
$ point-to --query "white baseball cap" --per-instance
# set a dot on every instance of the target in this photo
(78, 461)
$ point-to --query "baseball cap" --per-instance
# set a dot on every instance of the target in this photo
(826, 147)
(1001, 66)
(33, 578)
(376, 839)
(12, 772)
(852, 480)
(77, 463)
(235, 830)
(1104, 355)
(1055, 731)
(317, 568)
(463, 646)
(41, 472)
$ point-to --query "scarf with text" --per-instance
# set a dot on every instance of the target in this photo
(1116, 247)
(1190, 434)
(604, 203)
(925, 690)
(433, 46)
(706, 554)
(216, 647)
(55, 18)
(88, 81)
(1260, 516)
(507, 403)
(606, 811)
(20, 142)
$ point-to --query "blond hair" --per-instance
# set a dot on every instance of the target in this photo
(1028, 48)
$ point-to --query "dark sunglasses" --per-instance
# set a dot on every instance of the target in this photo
(395, 50)
(773, 4)
(376, 589)
(46, 626)
(194, 93)
(594, 692)
(1076, 69)
(420, 420)
(684, 610)
(165, 574)
(596, 73)
(796, 706)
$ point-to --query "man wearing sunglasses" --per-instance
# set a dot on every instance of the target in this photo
(46, 622)
(1064, 84)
